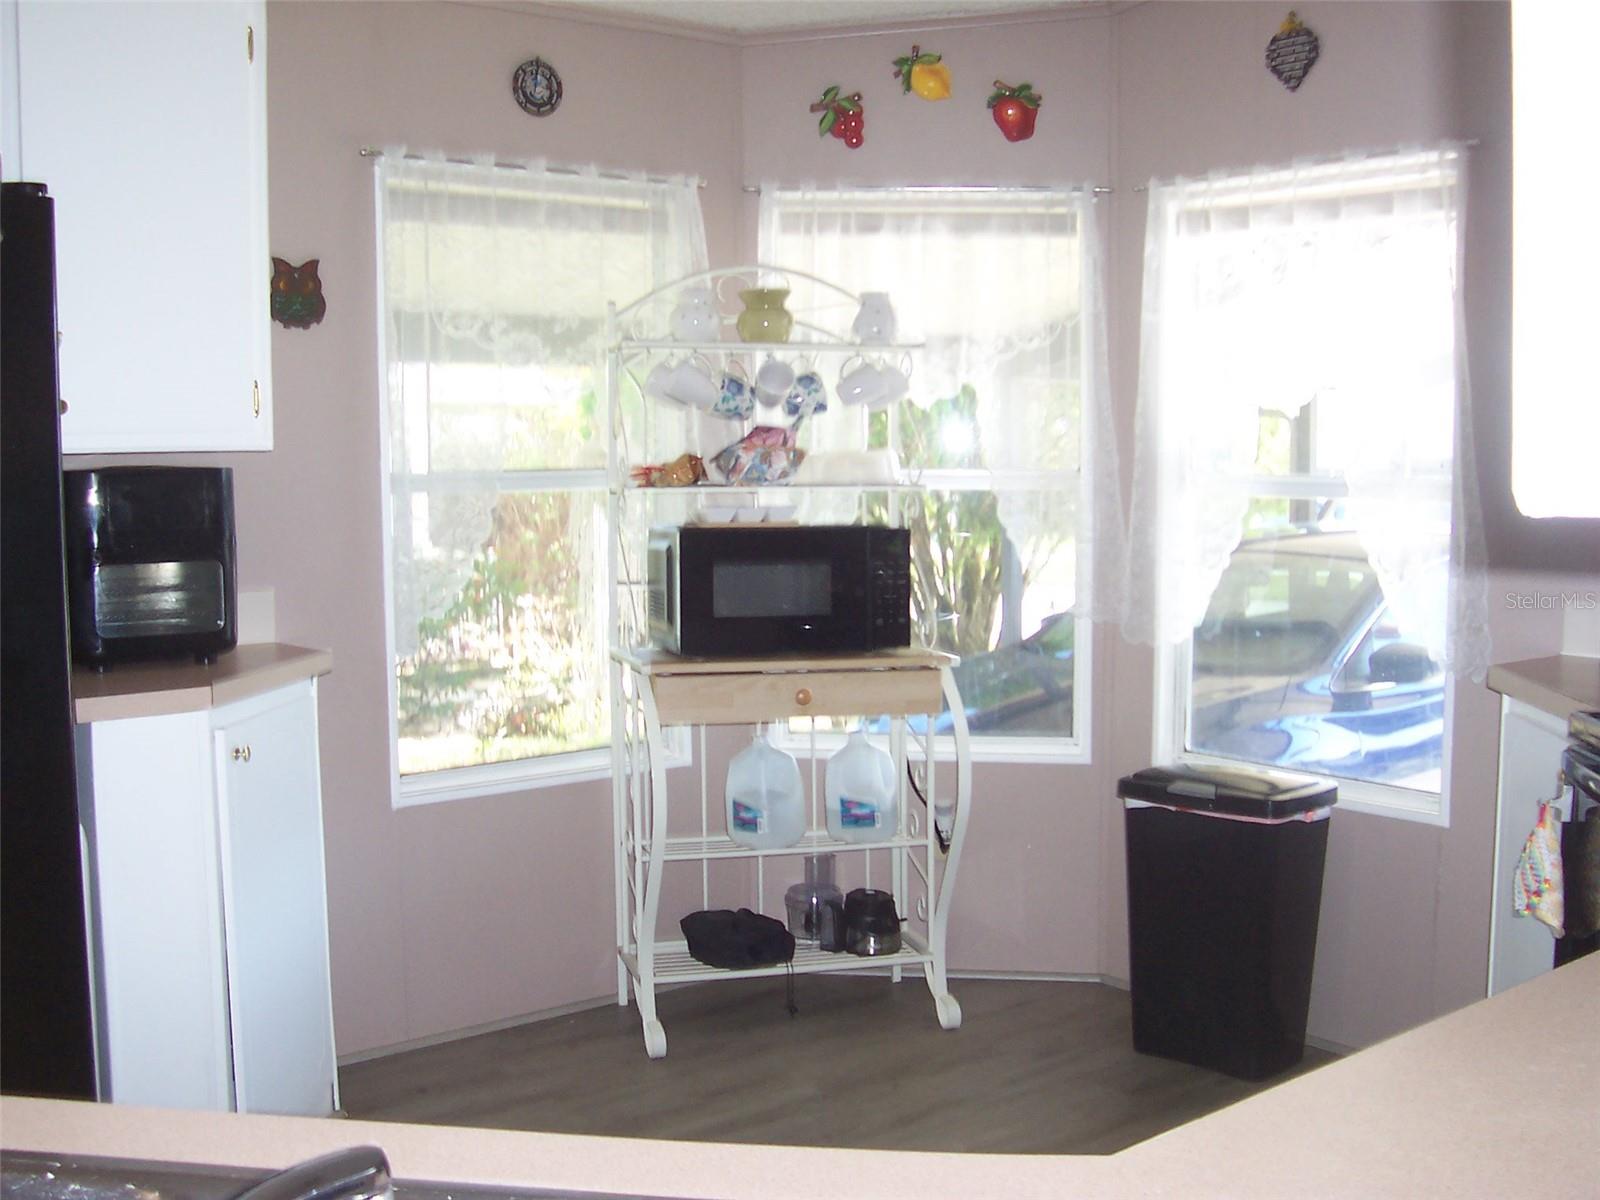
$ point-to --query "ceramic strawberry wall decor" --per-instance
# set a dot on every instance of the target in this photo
(1015, 109)
(1292, 52)
(842, 116)
(924, 74)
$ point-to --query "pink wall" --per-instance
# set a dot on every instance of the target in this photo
(458, 914)
(451, 915)
(1405, 915)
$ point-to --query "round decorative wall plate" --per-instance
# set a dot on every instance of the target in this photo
(537, 87)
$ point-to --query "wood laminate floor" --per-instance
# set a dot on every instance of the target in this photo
(1036, 1067)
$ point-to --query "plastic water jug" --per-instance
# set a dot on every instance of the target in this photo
(765, 800)
(862, 804)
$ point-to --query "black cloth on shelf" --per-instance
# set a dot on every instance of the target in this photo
(720, 937)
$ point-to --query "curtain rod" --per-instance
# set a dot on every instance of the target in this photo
(374, 152)
(755, 188)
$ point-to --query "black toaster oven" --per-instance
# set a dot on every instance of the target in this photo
(150, 563)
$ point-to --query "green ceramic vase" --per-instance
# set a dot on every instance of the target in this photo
(764, 318)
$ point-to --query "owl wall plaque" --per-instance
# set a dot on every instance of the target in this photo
(297, 300)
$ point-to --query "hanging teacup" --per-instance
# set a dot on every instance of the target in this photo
(807, 396)
(894, 384)
(655, 383)
(738, 398)
(859, 382)
(773, 381)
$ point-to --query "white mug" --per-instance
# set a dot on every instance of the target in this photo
(773, 381)
(690, 383)
(655, 383)
(894, 385)
(860, 384)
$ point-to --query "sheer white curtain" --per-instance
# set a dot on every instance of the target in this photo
(495, 285)
(1333, 283)
(1004, 289)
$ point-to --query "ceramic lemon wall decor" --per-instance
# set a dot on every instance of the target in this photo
(842, 116)
(925, 74)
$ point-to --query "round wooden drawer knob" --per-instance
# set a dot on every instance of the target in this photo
(803, 697)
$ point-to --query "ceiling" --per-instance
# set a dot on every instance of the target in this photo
(744, 18)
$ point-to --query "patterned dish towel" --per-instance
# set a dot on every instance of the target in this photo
(1537, 889)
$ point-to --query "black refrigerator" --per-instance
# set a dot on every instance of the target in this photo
(47, 1045)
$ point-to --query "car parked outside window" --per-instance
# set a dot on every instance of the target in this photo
(1300, 663)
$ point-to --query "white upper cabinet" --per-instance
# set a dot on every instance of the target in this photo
(147, 122)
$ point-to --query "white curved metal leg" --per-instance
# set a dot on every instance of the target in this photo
(655, 1036)
(655, 1039)
(945, 1005)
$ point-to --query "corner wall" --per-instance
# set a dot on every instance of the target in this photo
(451, 915)
(477, 911)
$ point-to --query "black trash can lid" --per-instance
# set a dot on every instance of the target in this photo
(1241, 791)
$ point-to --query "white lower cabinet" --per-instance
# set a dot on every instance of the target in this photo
(1531, 742)
(208, 906)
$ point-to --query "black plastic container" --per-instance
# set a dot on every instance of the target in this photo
(1224, 887)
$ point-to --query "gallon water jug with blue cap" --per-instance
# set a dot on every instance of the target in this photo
(862, 804)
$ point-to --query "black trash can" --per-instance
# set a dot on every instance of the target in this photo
(1224, 887)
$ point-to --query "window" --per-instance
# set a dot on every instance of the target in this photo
(1554, 429)
(999, 286)
(1303, 547)
(494, 292)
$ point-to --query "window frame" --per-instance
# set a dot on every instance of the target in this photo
(1076, 749)
(483, 779)
(514, 775)
(1169, 728)
(1172, 685)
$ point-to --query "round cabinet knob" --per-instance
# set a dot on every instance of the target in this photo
(241, 754)
(803, 697)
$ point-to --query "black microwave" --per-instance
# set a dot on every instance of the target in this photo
(150, 563)
(720, 590)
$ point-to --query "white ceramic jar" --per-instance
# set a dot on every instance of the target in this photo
(874, 324)
(694, 319)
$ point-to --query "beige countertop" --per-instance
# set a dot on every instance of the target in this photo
(1560, 685)
(1496, 1099)
(155, 689)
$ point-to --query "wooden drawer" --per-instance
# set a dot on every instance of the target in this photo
(742, 699)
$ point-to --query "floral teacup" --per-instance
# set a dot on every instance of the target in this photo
(807, 396)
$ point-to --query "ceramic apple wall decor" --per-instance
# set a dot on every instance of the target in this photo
(925, 74)
(842, 116)
(1015, 109)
